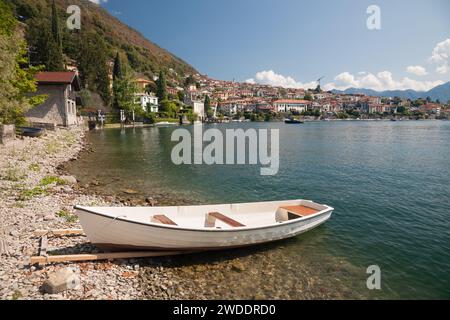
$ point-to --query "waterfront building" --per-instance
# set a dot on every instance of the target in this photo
(291, 105)
(60, 107)
(198, 107)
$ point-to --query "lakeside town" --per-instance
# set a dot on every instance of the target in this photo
(102, 85)
(229, 100)
(53, 90)
(202, 99)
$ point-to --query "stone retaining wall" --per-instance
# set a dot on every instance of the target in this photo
(7, 133)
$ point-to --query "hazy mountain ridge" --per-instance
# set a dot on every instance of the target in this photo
(441, 93)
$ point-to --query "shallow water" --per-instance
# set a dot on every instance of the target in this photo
(389, 183)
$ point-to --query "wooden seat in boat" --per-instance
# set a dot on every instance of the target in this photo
(300, 211)
(164, 220)
(213, 216)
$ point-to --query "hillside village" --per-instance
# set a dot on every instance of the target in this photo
(209, 100)
(237, 100)
(90, 75)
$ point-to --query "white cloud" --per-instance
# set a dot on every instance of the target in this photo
(440, 56)
(98, 1)
(379, 82)
(269, 77)
(417, 70)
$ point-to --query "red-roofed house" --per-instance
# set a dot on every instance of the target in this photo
(60, 107)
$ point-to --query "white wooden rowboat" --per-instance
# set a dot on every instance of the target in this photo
(192, 228)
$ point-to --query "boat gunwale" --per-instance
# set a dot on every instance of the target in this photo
(240, 229)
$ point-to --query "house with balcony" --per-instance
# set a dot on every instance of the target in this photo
(60, 107)
(148, 102)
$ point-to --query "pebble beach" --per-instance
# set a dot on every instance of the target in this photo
(34, 196)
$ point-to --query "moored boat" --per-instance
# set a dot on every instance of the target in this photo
(165, 124)
(198, 228)
(293, 121)
(31, 132)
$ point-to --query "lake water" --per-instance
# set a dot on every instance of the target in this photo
(388, 181)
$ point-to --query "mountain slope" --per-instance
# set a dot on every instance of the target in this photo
(441, 93)
(144, 56)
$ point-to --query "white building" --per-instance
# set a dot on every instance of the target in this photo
(148, 102)
(291, 105)
(229, 109)
(198, 107)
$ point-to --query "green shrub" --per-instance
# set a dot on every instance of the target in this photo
(28, 194)
(34, 167)
(70, 218)
(52, 180)
(13, 173)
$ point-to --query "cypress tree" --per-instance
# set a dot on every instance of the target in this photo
(117, 72)
(55, 26)
(93, 65)
(207, 105)
(162, 87)
(55, 60)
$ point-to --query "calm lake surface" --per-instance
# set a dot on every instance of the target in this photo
(388, 181)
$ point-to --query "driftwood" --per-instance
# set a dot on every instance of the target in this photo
(59, 233)
(44, 258)
(4, 250)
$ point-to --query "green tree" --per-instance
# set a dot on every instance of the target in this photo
(117, 72)
(208, 106)
(8, 24)
(169, 108)
(56, 32)
(55, 60)
(161, 84)
(189, 81)
(181, 95)
(308, 97)
(93, 65)
(151, 88)
(268, 117)
(44, 40)
(401, 109)
(17, 79)
(124, 94)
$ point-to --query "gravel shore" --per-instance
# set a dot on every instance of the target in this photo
(33, 196)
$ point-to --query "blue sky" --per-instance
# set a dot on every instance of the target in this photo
(293, 42)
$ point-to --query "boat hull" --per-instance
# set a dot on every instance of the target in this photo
(31, 132)
(115, 234)
(293, 122)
